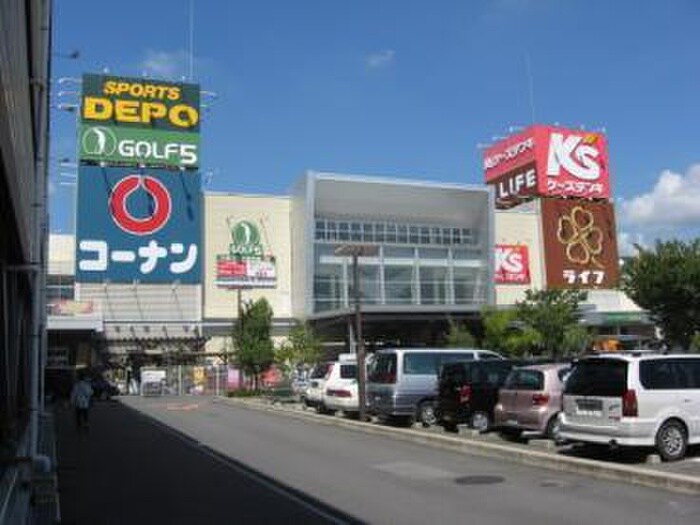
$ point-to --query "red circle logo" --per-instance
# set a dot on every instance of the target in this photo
(125, 220)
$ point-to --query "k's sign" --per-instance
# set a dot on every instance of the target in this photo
(138, 224)
(548, 161)
(512, 264)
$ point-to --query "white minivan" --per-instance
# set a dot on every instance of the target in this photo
(341, 387)
(634, 400)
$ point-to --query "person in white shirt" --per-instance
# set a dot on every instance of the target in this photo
(80, 398)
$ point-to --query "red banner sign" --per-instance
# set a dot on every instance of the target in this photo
(512, 264)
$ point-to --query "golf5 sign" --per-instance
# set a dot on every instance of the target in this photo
(119, 145)
(129, 121)
(548, 161)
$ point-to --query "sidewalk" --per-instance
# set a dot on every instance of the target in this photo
(128, 470)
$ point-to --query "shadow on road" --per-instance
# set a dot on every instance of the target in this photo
(131, 469)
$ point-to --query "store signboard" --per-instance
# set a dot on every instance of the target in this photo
(247, 264)
(140, 103)
(548, 161)
(580, 244)
(138, 146)
(512, 264)
(138, 224)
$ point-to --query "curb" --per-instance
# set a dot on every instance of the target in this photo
(590, 467)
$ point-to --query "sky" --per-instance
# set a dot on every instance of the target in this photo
(406, 88)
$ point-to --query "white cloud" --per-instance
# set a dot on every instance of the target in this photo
(165, 64)
(381, 58)
(673, 202)
(626, 242)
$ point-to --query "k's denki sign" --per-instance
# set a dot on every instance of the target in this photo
(548, 161)
(138, 225)
(512, 265)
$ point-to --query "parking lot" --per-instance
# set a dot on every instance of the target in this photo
(619, 463)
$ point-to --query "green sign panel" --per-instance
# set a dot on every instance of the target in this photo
(140, 103)
(120, 145)
(245, 238)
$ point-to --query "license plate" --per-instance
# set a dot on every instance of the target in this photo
(589, 407)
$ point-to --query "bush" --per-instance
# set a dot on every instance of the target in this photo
(245, 393)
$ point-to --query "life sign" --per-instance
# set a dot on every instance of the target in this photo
(142, 103)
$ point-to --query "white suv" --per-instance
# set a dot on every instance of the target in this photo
(634, 400)
(341, 389)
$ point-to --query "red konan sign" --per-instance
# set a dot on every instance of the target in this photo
(548, 161)
(512, 264)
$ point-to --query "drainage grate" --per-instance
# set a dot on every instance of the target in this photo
(479, 480)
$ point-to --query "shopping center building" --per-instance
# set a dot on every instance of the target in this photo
(440, 253)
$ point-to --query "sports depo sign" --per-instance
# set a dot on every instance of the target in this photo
(136, 121)
(548, 161)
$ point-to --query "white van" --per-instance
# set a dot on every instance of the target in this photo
(312, 396)
(634, 400)
(341, 388)
(403, 381)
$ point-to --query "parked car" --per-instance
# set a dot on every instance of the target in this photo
(403, 381)
(103, 389)
(468, 392)
(341, 388)
(313, 395)
(634, 400)
(530, 399)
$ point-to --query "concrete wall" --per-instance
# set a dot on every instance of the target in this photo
(61, 254)
(521, 226)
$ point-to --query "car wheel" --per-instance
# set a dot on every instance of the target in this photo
(672, 440)
(553, 430)
(480, 421)
(426, 413)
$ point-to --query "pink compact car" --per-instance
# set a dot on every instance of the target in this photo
(530, 400)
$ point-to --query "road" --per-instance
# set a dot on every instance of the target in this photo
(380, 480)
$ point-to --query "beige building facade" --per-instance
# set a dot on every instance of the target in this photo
(268, 217)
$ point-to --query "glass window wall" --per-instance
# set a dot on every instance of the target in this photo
(416, 265)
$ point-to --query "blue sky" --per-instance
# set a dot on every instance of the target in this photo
(409, 88)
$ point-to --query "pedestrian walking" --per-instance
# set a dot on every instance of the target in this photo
(80, 398)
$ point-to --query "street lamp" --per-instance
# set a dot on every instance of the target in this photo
(356, 251)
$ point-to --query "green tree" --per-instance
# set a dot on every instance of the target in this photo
(302, 350)
(695, 345)
(666, 282)
(553, 315)
(504, 333)
(255, 351)
(459, 336)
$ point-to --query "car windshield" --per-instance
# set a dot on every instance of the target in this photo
(598, 377)
(348, 371)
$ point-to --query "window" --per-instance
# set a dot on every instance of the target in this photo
(598, 377)
(356, 231)
(343, 233)
(413, 236)
(348, 371)
(420, 364)
(456, 357)
(670, 374)
(320, 371)
(525, 380)
(398, 284)
(658, 375)
(368, 232)
(384, 369)
(379, 232)
(688, 373)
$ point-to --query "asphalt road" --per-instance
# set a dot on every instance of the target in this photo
(339, 475)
